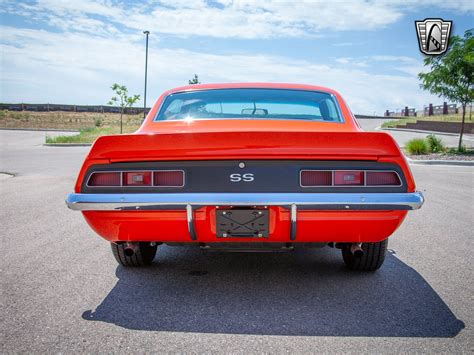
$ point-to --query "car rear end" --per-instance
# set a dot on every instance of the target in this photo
(215, 183)
(356, 195)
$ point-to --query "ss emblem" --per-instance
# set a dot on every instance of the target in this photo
(241, 177)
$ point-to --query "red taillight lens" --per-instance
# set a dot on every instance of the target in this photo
(137, 178)
(385, 178)
(168, 178)
(316, 178)
(349, 178)
(104, 179)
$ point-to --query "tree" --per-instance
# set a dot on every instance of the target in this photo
(452, 74)
(122, 99)
(194, 80)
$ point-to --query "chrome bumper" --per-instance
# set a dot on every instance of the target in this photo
(302, 201)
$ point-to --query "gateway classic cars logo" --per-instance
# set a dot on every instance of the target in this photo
(433, 35)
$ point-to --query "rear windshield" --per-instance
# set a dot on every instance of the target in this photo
(250, 104)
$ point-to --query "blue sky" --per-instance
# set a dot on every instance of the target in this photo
(70, 52)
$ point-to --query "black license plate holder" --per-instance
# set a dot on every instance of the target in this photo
(242, 223)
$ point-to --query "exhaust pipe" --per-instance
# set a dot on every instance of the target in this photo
(356, 250)
(130, 249)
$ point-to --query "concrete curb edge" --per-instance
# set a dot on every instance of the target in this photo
(466, 135)
(67, 144)
(38, 129)
(441, 162)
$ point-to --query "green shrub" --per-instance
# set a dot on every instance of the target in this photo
(417, 146)
(97, 121)
(435, 144)
(463, 149)
(87, 130)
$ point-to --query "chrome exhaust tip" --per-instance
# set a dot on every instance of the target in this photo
(356, 250)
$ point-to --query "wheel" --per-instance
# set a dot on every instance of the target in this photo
(140, 255)
(373, 258)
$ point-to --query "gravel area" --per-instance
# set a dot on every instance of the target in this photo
(439, 156)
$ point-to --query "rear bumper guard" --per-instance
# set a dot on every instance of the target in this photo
(293, 201)
(305, 201)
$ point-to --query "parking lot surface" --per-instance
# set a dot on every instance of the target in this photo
(62, 291)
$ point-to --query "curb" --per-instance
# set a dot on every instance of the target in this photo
(39, 129)
(67, 144)
(466, 135)
(440, 162)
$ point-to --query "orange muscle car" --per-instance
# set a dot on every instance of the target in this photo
(247, 166)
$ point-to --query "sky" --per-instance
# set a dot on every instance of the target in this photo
(71, 52)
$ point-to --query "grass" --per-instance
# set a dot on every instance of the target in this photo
(433, 144)
(443, 118)
(463, 151)
(89, 135)
(17, 116)
(417, 146)
(89, 124)
(65, 120)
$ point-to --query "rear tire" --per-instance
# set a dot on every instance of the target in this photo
(373, 258)
(144, 254)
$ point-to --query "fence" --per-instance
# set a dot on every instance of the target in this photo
(70, 108)
(406, 112)
(430, 110)
(443, 109)
(89, 108)
(369, 117)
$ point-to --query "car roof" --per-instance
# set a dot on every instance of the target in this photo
(196, 87)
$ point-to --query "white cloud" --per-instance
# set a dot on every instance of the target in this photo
(343, 60)
(250, 19)
(404, 64)
(41, 66)
(100, 42)
(393, 58)
(455, 5)
(353, 62)
(346, 44)
(237, 19)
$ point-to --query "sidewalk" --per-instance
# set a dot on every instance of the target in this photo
(466, 136)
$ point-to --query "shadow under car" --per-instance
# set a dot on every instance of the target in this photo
(300, 293)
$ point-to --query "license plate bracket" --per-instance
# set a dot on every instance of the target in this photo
(242, 223)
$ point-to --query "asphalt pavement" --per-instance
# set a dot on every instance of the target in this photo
(62, 291)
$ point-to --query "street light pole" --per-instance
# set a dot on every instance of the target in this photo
(146, 69)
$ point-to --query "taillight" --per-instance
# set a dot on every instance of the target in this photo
(104, 179)
(151, 178)
(321, 178)
(316, 178)
(168, 178)
(137, 178)
(385, 178)
(348, 178)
